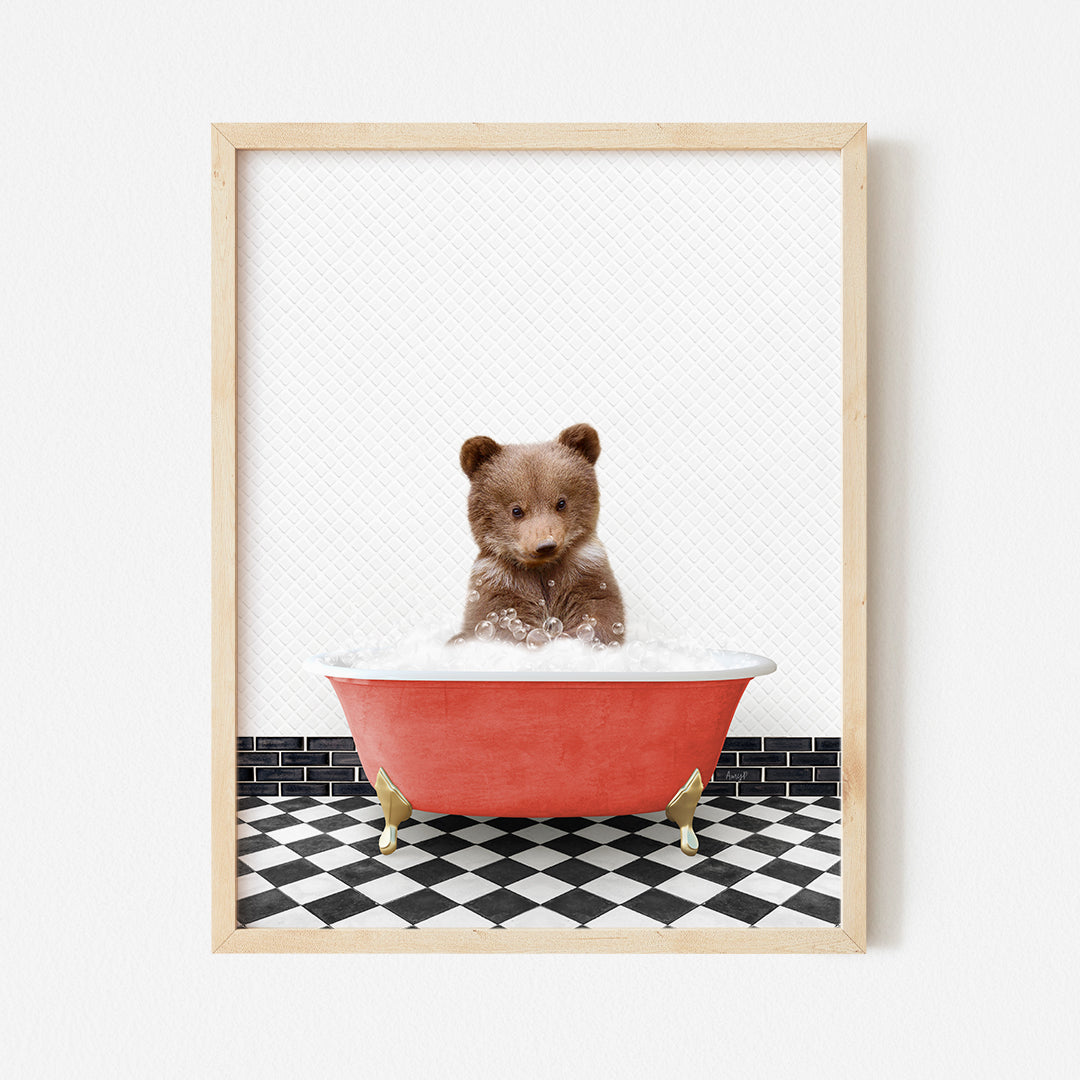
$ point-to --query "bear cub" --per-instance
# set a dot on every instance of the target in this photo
(533, 510)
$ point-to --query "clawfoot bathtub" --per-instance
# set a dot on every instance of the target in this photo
(540, 744)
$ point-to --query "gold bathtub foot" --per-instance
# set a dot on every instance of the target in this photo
(681, 811)
(396, 809)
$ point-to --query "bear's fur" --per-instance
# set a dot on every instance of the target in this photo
(533, 510)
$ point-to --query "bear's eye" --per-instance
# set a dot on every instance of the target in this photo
(518, 512)
(561, 504)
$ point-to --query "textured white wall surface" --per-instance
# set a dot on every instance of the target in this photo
(392, 304)
(105, 526)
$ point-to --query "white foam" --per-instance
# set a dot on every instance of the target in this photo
(427, 651)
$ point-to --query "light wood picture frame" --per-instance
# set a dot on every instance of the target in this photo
(227, 140)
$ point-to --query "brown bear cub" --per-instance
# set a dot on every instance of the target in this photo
(533, 510)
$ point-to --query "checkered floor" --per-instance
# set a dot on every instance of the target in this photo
(307, 862)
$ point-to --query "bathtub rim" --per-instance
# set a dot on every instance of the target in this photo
(753, 666)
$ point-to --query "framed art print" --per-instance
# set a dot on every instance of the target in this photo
(539, 537)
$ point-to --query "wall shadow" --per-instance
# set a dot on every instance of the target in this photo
(893, 256)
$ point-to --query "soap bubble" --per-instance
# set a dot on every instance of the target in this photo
(511, 613)
(492, 617)
(590, 619)
(535, 638)
(473, 596)
(551, 583)
(519, 634)
(636, 650)
(553, 626)
(585, 632)
(485, 630)
(618, 629)
(598, 646)
(515, 625)
(603, 584)
(504, 622)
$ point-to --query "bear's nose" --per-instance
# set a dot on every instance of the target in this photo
(546, 547)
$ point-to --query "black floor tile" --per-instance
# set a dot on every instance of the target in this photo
(312, 845)
(791, 872)
(575, 872)
(504, 872)
(816, 904)
(250, 844)
(662, 906)
(341, 905)
(359, 872)
(442, 845)
(579, 905)
(500, 905)
(507, 845)
(287, 872)
(741, 906)
(767, 845)
(417, 906)
(829, 844)
(262, 906)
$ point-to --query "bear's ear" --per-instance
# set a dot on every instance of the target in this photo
(475, 451)
(583, 439)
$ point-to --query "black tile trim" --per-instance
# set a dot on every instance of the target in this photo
(748, 766)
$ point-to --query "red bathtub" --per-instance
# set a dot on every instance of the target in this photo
(540, 744)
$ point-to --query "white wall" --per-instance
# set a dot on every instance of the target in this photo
(104, 436)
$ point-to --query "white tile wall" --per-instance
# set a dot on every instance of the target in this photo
(687, 304)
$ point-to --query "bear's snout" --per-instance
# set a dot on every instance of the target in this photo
(546, 547)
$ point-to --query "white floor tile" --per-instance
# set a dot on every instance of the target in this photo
(786, 833)
(250, 884)
(456, 918)
(664, 831)
(464, 888)
(539, 858)
(292, 833)
(478, 833)
(768, 888)
(416, 832)
(540, 833)
(472, 858)
(691, 887)
(315, 813)
(820, 860)
(781, 917)
(673, 856)
(539, 919)
(294, 919)
(607, 858)
(621, 916)
(726, 833)
(823, 813)
(615, 888)
(600, 833)
(750, 860)
(244, 831)
(387, 888)
(540, 887)
(406, 855)
(703, 916)
(829, 884)
(256, 813)
(313, 888)
(275, 856)
(356, 834)
(335, 857)
(373, 917)
(765, 813)
(712, 813)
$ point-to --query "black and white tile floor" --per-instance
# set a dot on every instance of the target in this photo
(308, 862)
